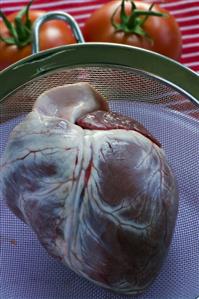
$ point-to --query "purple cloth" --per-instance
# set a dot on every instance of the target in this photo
(27, 272)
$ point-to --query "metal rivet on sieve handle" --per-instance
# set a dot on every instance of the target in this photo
(57, 15)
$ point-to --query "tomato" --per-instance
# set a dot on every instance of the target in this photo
(52, 34)
(162, 33)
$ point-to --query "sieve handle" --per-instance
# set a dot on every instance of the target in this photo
(56, 15)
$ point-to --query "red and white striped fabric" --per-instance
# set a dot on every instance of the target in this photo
(186, 13)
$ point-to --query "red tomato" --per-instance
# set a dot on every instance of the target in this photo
(52, 34)
(163, 34)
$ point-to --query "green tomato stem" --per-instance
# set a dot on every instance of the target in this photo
(134, 22)
(20, 32)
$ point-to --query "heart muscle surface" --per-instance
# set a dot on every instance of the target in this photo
(94, 186)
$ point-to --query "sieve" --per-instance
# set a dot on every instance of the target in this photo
(155, 90)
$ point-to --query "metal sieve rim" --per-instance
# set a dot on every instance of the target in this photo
(156, 65)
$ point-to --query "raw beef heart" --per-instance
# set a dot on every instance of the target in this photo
(94, 186)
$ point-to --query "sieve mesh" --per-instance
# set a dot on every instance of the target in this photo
(27, 272)
(112, 82)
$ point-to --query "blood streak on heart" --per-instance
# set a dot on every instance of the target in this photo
(88, 172)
